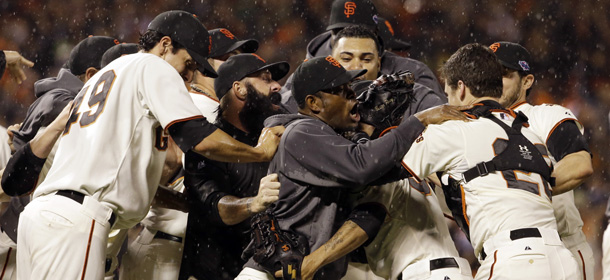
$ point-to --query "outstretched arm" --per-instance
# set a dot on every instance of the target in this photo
(13, 61)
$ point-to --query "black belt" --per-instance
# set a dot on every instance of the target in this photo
(167, 236)
(443, 263)
(80, 197)
(518, 234)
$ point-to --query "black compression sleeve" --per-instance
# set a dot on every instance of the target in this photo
(566, 139)
(21, 172)
(369, 217)
(188, 134)
(2, 63)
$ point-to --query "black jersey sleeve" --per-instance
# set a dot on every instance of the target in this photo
(369, 217)
(21, 173)
(566, 139)
(187, 134)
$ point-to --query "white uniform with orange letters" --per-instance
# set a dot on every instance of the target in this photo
(113, 152)
(508, 215)
(543, 119)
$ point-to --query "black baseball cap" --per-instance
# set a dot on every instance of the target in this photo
(88, 53)
(512, 55)
(319, 74)
(224, 42)
(386, 33)
(239, 66)
(117, 51)
(344, 13)
(184, 28)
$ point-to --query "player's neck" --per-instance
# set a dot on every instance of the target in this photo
(206, 85)
(480, 99)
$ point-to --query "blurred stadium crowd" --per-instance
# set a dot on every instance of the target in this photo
(569, 41)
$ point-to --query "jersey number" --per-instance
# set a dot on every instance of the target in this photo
(526, 181)
(98, 97)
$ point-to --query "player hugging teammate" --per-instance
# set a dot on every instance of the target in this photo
(219, 172)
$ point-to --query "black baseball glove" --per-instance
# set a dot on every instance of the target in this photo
(384, 101)
(275, 249)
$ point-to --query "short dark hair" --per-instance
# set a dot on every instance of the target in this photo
(477, 67)
(358, 31)
(150, 39)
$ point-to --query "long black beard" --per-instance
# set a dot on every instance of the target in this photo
(257, 108)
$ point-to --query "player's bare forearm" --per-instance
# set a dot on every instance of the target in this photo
(171, 199)
(234, 210)
(43, 143)
(348, 238)
(3, 196)
(222, 147)
(571, 171)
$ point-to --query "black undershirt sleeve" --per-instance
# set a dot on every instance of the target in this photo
(21, 172)
(188, 134)
(2, 63)
(566, 139)
(369, 217)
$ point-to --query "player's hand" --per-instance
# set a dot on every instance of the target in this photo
(10, 131)
(59, 124)
(268, 192)
(308, 269)
(268, 141)
(441, 114)
(14, 63)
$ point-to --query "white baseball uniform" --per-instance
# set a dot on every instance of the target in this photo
(499, 207)
(414, 239)
(157, 252)
(207, 105)
(7, 246)
(543, 120)
(113, 152)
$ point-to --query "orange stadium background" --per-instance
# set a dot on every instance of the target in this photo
(569, 42)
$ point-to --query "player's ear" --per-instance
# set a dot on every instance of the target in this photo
(165, 43)
(528, 81)
(314, 103)
(89, 73)
(461, 90)
(239, 90)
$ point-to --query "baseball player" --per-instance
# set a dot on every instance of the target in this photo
(53, 94)
(157, 251)
(316, 166)
(391, 254)
(223, 196)
(82, 198)
(13, 61)
(356, 48)
(568, 149)
(224, 45)
(345, 13)
(496, 175)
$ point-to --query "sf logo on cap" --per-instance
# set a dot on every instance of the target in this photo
(333, 61)
(350, 8)
(227, 33)
(494, 47)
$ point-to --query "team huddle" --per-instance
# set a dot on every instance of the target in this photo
(183, 157)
